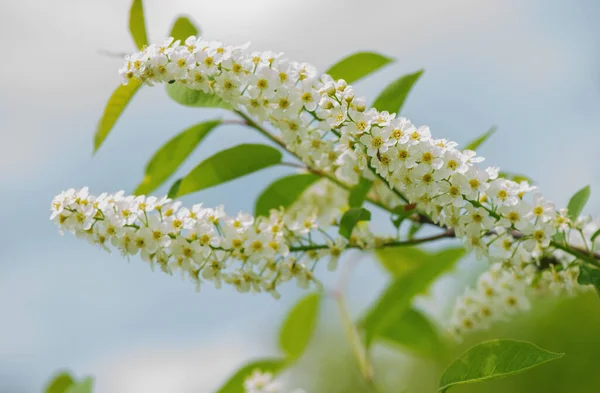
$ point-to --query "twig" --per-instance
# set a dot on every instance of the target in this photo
(404, 243)
(359, 351)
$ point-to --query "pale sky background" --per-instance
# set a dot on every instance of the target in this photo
(530, 67)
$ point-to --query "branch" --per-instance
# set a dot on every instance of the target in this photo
(578, 252)
(405, 243)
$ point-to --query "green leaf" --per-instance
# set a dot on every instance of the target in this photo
(59, 383)
(589, 276)
(559, 237)
(399, 260)
(117, 103)
(595, 235)
(415, 332)
(494, 359)
(473, 145)
(235, 384)
(516, 177)
(195, 98)
(84, 386)
(392, 97)
(400, 213)
(415, 227)
(577, 202)
(172, 154)
(299, 325)
(283, 192)
(397, 297)
(357, 65)
(137, 24)
(183, 28)
(229, 164)
(351, 218)
(358, 194)
(174, 189)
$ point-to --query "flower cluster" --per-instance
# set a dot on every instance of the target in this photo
(330, 128)
(503, 291)
(204, 244)
(506, 289)
(324, 123)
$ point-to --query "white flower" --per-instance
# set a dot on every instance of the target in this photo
(514, 215)
(180, 62)
(504, 191)
(336, 116)
(310, 97)
(474, 180)
(539, 235)
(477, 219)
(429, 155)
(260, 382)
(335, 251)
(542, 209)
(376, 141)
(421, 134)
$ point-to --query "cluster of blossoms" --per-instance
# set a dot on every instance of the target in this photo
(503, 291)
(204, 244)
(330, 129)
(260, 382)
(506, 289)
(324, 123)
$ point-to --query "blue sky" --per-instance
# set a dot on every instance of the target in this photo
(530, 67)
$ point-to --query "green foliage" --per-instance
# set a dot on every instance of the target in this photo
(493, 359)
(298, 327)
(184, 28)
(589, 275)
(357, 66)
(594, 236)
(84, 386)
(516, 177)
(578, 201)
(174, 190)
(392, 97)
(473, 145)
(414, 331)
(59, 383)
(172, 154)
(359, 193)
(415, 227)
(235, 384)
(351, 218)
(194, 98)
(283, 192)
(117, 103)
(400, 260)
(137, 24)
(397, 297)
(227, 165)
(401, 213)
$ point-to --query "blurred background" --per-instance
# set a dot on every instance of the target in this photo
(531, 67)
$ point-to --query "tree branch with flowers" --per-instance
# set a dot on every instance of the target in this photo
(348, 158)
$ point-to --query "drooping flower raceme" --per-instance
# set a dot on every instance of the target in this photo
(506, 289)
(324, 123)
(201, 243)
(330, 129)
